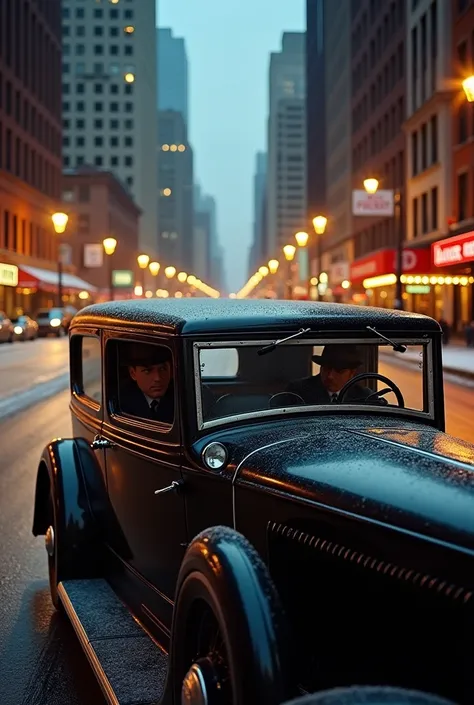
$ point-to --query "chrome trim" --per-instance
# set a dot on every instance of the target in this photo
(193, 690)
(174, 487)
(87, 647)
(427, 344)
(249, 455)
(209, 445)
(49, 542)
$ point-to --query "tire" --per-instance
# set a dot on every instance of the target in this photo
(216, 639)
(369, 695)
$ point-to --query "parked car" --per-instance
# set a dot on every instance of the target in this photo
(24, 328)
(6, 328)
(51, 321)
(259, 501)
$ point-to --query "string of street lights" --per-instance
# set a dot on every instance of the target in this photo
(170, 272)
(289, 251)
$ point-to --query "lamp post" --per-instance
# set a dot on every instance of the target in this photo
(371, 185)
(289, 252)
(109, 245)
(143, 261)
(59, 222)
(273, 265)
(319, 225)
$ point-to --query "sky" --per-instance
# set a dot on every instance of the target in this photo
(228, 44)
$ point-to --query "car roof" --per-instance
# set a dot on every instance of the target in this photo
(194, 316)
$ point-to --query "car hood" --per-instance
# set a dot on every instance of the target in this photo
(416, 480)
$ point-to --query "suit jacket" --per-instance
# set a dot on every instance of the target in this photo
(311, 389)
(134, 402)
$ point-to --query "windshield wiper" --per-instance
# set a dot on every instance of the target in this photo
(270, 348)
(398, 347)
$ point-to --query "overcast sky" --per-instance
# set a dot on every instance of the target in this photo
(228, 44)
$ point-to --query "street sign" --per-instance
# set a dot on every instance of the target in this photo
(93, 255)
(370, 204)
(8, 274)
(65, 254)
(122, 278)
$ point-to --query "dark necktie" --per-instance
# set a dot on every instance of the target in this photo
(333, 398)
(154, 406)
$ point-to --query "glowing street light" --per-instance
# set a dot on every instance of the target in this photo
(371, 185)
(109, 245)
(273, 266)
(263, 271)
(170, 272)
(319, 224)
(143, 261)
(289, 252)
(59, 222)
(154, 268)
(468, 87)
(182, 276)
(301, 239)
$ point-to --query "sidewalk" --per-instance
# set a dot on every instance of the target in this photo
(458, 359)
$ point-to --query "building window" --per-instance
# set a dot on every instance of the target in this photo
(113, 31)
(114, 107)
(80, 50)
(462, 196)
(98, 161)
(98, 88)
(114, 124)
(80, 88)
(98, 124)
(98, 31)
(98, 141)
(128, 14)
(415, 217)
(80, 141)
(434, 208)
(80, 106)
(128, 161)
(414, 153)
(434, 139)
(424, 147)
(462, 123)
(98, 68)
(98, 13)
(98, 107)
(114, 161)
(128, 51)
(80, 31)
(128, 124)
(98, 49)
(114, 50)
(80, 124)
(114, 14)
(114, 89)
(128, 141)
(129, 107)
(114, 142)
(424, 214)
(80, 13)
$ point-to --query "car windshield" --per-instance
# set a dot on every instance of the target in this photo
(234, 379)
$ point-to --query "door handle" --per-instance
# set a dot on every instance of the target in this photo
(99, 443)
(174, 487)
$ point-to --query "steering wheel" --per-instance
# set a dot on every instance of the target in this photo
(391, 387)
(298, 400)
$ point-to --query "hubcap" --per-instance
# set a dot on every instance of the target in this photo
(49, 541)
(194, 691)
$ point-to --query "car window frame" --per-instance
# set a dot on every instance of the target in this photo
(92, 406)
(144, 428)
(428, 416)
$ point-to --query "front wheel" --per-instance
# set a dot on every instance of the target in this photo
(227, 634)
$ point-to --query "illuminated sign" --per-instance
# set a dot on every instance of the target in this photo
(8, 275)
(453, 250)
(122, 277)
(417, 289)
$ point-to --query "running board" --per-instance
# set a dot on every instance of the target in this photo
(129, 666)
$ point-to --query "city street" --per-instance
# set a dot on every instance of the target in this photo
(41, 662)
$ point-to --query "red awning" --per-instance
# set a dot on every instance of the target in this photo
(46, 280)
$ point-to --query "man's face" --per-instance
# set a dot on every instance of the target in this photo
(334, 379)
(152, 380)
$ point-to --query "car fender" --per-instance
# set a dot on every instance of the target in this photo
(70, 472)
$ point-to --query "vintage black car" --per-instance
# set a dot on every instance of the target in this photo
(259, 502)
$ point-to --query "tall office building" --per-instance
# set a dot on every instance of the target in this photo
(172, 73)
(257, 249)
(208, 253)
(30, 150)
(333, 197)
(175, 182)
(110, 97)
(286, 181)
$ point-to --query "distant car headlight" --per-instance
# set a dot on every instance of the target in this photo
(55, 322)
(18, 330)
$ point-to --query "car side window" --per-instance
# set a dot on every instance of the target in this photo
(144, 381)
(91, 368)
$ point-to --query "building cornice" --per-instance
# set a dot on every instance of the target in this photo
(437, 99)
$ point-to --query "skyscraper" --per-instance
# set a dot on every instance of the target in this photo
(257, 249)
(175, 180)
(286, 182)
(109, 97)
(172, 73)
(30, 149)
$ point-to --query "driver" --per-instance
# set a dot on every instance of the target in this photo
(339, 364)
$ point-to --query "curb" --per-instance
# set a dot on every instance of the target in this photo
(455, 371)
(13, 404)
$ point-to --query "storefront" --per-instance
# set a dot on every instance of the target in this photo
(25, 289)
(453, 259)
(373, 280)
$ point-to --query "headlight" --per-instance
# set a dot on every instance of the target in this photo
(55, 322)
(18, 330)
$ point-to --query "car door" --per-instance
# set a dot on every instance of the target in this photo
(143, 460)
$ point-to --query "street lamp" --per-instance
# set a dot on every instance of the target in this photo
(143, 261)
(273, 265)
(182, 276)
(263, 271)
(59, 222)
(109, 245)
(319, 225)
(468, 86)
(170, 272)
(301, 239)
(371, 185)
(154, 268)
(289, 252)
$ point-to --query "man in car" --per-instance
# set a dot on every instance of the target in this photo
(338, 364)
(151, 394)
